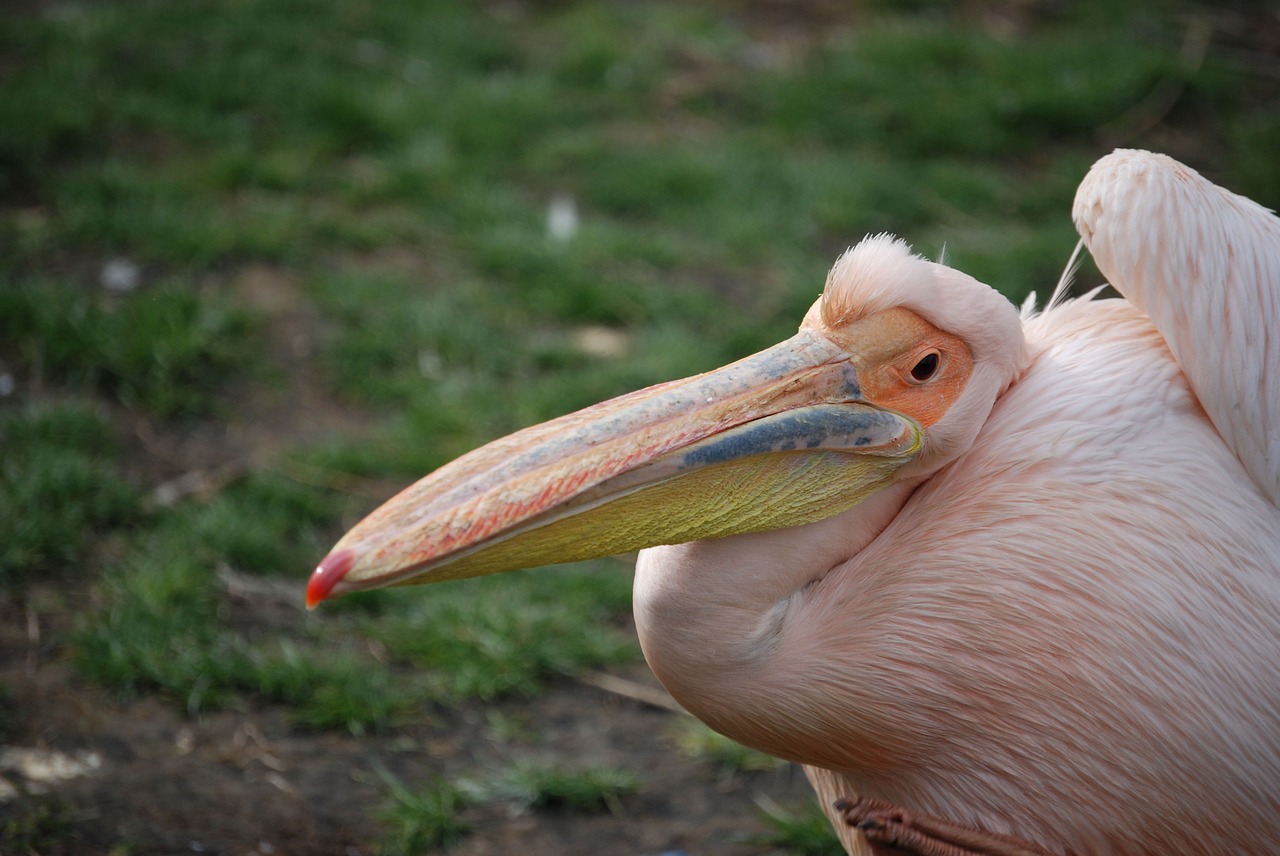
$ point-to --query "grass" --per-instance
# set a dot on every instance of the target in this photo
(430, 817)
(260, 524)
(397, 164)
(695, 740)
(58, 484)
(170, 623)
(162, 349)
(538, 786)
(505, 636)
(421, 820)
(803, 831)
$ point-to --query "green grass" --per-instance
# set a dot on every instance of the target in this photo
(800, 831)
(536, 786)
(508, 635)
(421, 820)
(333, 689)
(162, 349)
(261, 524)
(59, 484)
(171, 624)
(395, 164)
(430, 817)
(158, 628)
(162, 632)
(695, 740)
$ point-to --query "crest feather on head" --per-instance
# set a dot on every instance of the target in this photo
(871, 276)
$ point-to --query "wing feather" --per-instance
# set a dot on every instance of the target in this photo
(1204, 264)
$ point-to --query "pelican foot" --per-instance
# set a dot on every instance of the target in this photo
(895, 831)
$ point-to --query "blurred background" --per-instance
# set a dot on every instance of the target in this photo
(263, 262)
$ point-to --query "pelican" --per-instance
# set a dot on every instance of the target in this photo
(1003, 581)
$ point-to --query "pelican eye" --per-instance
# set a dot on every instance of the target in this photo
(926, 368)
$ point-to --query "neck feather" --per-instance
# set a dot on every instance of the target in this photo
(712, 616)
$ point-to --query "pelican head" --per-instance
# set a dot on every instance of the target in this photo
(890, 376)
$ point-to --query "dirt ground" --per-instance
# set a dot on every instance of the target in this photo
(142, 778)
(248, 782)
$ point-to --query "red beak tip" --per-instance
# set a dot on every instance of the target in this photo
(328, 573)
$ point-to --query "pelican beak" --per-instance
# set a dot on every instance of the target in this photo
(780, 438)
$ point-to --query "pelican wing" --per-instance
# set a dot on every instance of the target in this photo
(1204, 265)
